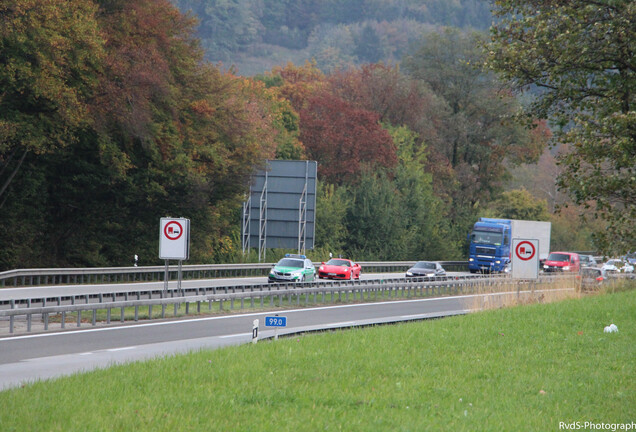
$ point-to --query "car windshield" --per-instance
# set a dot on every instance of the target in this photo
(484, 237)
(338, 262)
(289, 262)
(591, 272)
(425, 265)
(558, 257)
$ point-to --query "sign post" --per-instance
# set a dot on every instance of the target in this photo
(525, 258)
(276, 322)
(174, 243)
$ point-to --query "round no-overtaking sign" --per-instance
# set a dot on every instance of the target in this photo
(525, 250)
(525, 259)
(174, 239)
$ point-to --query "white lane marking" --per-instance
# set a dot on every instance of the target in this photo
(85, 353)
(121, 349)
(235, 335)
(433, 314)
(187, 321)
(341, 324)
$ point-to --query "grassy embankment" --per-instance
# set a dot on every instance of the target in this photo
(517, 368)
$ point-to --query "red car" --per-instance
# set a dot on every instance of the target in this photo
(339, 268)
(562, 261)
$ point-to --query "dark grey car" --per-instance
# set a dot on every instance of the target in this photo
(587, 261)
(426, 269)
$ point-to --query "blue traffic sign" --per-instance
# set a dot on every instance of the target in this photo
(275, 321)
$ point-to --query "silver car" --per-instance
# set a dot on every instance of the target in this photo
(617, 266)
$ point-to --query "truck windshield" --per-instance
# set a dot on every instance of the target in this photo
(484, 237)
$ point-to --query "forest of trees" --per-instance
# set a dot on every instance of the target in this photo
(255, 36)
(111, 118)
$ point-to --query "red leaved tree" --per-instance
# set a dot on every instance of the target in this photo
(344, 139)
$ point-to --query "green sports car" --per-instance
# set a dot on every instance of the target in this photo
(293, 268)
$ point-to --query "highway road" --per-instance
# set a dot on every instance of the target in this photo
(30, 357)
(7, 294)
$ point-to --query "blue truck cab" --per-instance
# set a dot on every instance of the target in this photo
(489, 245)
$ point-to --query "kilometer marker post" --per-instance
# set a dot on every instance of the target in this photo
(276, 322)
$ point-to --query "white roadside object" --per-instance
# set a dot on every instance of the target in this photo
(611, 329)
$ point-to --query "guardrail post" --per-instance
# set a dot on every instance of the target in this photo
(79, 318)
(11, 318)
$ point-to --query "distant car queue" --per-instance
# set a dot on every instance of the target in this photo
(297, 268)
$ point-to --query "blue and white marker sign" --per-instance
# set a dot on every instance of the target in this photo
(275, 321)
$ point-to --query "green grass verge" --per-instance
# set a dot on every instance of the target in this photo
(519, 368)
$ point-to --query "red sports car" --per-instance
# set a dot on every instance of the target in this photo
(339, 268)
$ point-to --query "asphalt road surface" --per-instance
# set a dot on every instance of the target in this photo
(32, 357)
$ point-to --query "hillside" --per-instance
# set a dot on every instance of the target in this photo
(253, 37)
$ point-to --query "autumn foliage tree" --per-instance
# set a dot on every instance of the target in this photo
(50, 53)
(580, 55)
(152, 131)
(344, 139)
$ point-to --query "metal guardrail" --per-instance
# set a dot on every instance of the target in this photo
(280, 293)
(103, 275)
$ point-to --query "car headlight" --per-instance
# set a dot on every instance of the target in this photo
(271, 271)
(471, 259)
(408, 273)
(566, 268)
(545, 266)
(497, 262)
